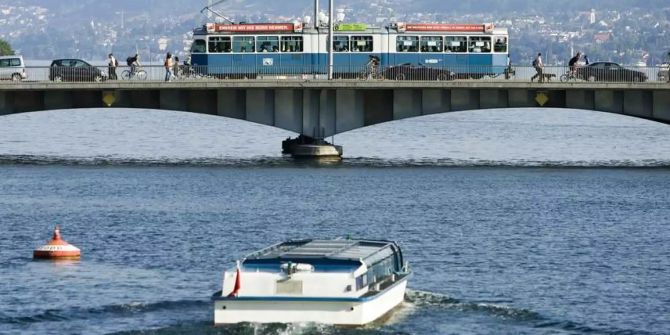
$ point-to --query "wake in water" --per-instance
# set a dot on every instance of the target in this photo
(418, 305)
(287, 161)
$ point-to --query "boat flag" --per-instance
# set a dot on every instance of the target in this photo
(236, 288)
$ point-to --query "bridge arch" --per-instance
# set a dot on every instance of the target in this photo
(325, 108)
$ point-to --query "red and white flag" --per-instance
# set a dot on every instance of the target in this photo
(236, 288)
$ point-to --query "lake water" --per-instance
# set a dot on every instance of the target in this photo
(514, 221)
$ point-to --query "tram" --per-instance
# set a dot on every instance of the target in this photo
(295, 49)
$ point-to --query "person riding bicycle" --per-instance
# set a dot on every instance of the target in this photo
(134, 63)
(573, 63)
(372, 67)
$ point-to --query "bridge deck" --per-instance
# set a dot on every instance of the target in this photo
(325, 84)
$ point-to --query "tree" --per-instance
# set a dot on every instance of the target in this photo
(5, 48)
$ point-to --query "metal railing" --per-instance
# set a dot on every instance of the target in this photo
(550, 74)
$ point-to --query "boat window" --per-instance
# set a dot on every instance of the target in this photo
(432, 44)
(500, 44)
(407, 44)
(341, 43)
(218, 44)
(291, 44)
(361, 43)
(361, 282)
(456, 44)
(380, 270)
(267, 44)
(198, 47)
(274, 265)
(243, 44)
(480, 44)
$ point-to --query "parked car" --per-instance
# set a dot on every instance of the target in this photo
(421, 72)
(663, 72)
(608, 71)
(75, 70)
(12, 68)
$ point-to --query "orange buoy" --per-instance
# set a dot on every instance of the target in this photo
(56, 249)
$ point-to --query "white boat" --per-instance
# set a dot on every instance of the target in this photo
(337, 282)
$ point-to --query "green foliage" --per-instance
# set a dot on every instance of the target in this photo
(5, 48)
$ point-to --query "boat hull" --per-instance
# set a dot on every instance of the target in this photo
(334, 311)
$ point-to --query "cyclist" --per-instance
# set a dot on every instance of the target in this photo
(372, 67)
(573, 64)
(134, 63)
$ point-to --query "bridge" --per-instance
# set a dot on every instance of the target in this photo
(321, 108)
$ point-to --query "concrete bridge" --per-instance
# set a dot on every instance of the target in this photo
(320, 108)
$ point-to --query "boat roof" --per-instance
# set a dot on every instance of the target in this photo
(366, 251)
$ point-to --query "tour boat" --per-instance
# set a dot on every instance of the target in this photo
(336, 282)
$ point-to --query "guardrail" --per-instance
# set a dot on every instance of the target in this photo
(658, 74)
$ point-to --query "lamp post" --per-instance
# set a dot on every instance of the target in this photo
(330, 39)
(316, 14)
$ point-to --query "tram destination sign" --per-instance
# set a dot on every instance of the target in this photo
(480, 28)
(253, 27)
(351, 27)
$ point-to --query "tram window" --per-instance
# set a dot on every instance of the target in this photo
(198, 46)
(500, 44)
(267, 43)
(480, 44)
(243, 44)
(407, 44)
(291, 44)
(432, 44)
(341, 43)
(361, 43)
(456, 44)
(219, 44)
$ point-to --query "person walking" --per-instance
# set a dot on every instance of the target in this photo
(169, 64)
(572, 64)
(586, 59)
(175, 68)
(112, 64)
(539, 67)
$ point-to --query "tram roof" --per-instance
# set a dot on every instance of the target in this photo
(350, 29)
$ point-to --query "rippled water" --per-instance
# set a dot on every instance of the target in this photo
(515, 137)
(161, 203)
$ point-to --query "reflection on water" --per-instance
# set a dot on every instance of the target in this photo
(514, 137)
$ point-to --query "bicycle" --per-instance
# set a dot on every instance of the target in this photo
(371, 73)
(139, 74)
(569, 76)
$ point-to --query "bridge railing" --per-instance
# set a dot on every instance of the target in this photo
(432, 72)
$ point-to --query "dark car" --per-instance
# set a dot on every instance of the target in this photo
(608, 71)
(420, 72)
(74, 70)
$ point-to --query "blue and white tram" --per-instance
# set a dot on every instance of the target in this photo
(288, 49)
(249, 50)
(469, 50)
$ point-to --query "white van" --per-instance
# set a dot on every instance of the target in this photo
(12, 68)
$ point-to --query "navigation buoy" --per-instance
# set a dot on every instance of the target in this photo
(57, 248)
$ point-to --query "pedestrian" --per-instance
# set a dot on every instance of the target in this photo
(539, 67)
(586, 59)
(111, 66)
(573, 63)
(168, 66)
(508, 69)
(175, 68)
